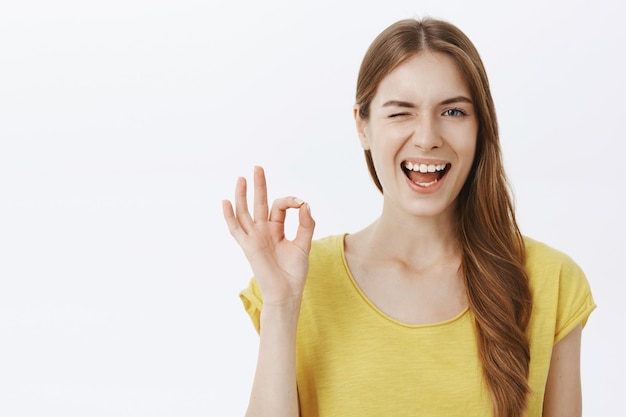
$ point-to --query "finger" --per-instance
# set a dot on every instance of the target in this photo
(231, 221)
(241, 205)
(306, 226)
(280, 207)
(260, 195)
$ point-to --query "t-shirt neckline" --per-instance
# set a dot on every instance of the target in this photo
(341, 244)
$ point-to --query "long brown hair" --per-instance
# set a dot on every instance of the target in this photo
(493, 248)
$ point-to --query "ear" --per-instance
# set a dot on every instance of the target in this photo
(361, 128)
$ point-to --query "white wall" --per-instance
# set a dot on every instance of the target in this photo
(123, 124)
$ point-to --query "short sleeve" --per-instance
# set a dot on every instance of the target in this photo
(253, 303)
(575, 300)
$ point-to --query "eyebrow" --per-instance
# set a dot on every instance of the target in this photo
(398, 103)
(459, 99)
(407, 104)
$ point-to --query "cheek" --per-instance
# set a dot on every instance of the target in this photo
(463, 141)
(389, 137)
(467, 152)
(472, 144)
(470, 149)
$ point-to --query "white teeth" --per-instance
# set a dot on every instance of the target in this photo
(426, 184)
(423, 167)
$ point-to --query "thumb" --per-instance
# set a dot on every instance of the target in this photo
(306, 226)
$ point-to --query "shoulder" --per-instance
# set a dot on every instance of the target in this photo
(559, 285)
(326, 264)
(545, 262)
(539, 253)
(329, 247)
(328, 242)
(545, 265)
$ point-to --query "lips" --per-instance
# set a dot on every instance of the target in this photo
(425, 175)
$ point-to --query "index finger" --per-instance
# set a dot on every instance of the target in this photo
(260, 195)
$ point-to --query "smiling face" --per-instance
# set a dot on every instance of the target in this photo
(421, 132)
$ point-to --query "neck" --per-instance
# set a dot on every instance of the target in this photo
(413, 240)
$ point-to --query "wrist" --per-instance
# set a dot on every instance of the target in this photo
(284, 310)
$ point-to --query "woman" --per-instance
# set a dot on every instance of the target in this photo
(440, 307)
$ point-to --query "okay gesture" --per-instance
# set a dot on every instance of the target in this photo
(279, 265)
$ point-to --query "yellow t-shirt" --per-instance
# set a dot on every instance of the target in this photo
(353, 360)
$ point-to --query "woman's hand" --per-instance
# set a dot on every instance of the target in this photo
(279, 265)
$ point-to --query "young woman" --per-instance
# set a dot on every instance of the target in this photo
(440, 307)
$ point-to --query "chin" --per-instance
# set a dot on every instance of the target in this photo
(429, 209)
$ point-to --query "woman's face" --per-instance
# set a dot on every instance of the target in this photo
(421, 132)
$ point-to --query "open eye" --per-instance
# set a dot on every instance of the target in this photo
(456, 112)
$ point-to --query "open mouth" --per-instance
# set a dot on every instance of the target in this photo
(425, 175)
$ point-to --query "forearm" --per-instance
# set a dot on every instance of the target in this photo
(274, 391)
(563, 397)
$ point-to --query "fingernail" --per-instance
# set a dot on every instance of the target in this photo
(298, 201)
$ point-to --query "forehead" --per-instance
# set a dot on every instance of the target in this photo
(424, 77)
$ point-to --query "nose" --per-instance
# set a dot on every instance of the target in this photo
(426, 135)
